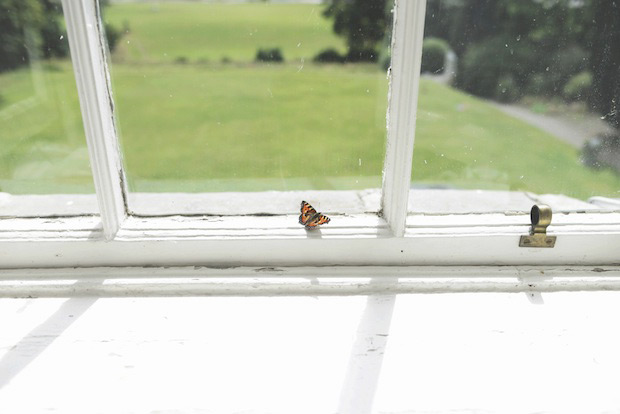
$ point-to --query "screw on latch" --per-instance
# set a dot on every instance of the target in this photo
(540, 216)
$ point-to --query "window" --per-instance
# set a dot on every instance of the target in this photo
(215, 98)
(369, 227)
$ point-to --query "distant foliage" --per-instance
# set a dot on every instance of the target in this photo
(269, 55)
(578, 87)
(363, 23)
(30, 29)
(113, 36)
(562, 65)
(603, 151)
(34, 29)
(386, 61)
(434, 52)
(329, 55)
(507, 90)
(53, 35)
(605, 62)
(362, 55)
(486, 62)
(537, 46)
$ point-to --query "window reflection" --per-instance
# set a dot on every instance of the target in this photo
(520, 95)
(42, 145)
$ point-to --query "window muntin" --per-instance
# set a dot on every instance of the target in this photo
(43, 150)
(529, 127)
(199, 114)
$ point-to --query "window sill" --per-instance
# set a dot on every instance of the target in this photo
(589, 235)
(421, 201)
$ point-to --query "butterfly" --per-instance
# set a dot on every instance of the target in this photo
(310, 218)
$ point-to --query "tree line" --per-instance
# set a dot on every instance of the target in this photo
(508, 48)
(31, 30)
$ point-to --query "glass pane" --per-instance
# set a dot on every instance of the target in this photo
(518, 96)
(247, 97)
(42, 144)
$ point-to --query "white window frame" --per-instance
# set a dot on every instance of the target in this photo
(392, 238)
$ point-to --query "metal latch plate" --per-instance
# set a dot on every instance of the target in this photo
(537, 240)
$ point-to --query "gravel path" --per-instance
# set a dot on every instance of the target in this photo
(573, 129)
(570, 129)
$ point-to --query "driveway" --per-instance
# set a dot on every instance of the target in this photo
(572, 129)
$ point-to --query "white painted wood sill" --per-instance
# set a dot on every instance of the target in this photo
(383, 354)
(445, 227)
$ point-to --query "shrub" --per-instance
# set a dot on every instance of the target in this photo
(480, 71)
(226, 60)
(52, 67)
(113, 36)
(566, 63)
(269, 55)
(602, 151)
(182, 60)
(555, 69)
(329, 55)
(578, 87)
(54, 40)
(538, 84)
(386, 62)
(362, 55)
(126, 29)
(486, 62)
(507, 89)
(434, 52)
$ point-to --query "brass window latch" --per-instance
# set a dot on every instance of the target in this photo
(540, 216)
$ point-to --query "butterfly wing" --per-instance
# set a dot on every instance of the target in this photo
(317, 220)
(307, 212)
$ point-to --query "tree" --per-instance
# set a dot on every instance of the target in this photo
(474, 20)
(29, 28)
(534, 46)
(363, 23)
(605, 61)
(32, 29)
(53, 36)
(16, 17)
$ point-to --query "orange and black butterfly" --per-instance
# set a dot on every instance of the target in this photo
(310, 218)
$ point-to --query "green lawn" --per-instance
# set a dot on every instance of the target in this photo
(467, 143)
(160, 32)
(42, 145)
(248, 122)
(209, 126)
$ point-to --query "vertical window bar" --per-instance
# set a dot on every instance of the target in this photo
(89, 63)
(406, 53)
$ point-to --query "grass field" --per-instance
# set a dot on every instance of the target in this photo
(42, 149)
(205, 125)
(465, 142)
(160, 32)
